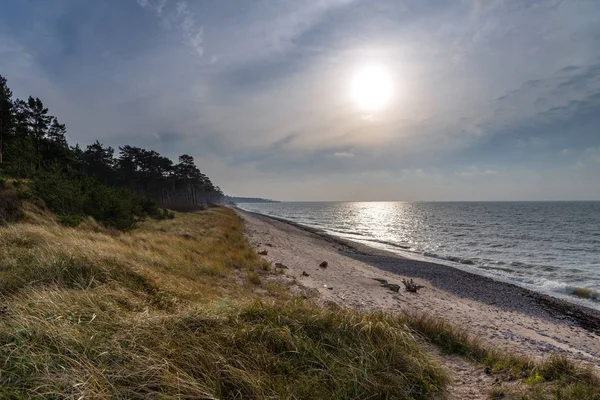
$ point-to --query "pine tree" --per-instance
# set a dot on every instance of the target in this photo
(98, 162)
(6, 113)
(57, 133)
(38, 120)
(56, 150)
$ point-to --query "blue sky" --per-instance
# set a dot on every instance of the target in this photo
(492, 100)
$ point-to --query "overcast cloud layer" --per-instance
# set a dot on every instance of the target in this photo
(493, 100)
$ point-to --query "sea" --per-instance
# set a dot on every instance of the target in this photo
(549, 247)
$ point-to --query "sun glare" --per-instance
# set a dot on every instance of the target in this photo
(372, 88)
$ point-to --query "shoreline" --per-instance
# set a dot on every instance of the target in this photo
(504, 315)
(480, 288)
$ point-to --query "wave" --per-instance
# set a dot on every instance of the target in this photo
(490, 268)
(346, 232)
(455, 259)
(389, 243)
(547, 285)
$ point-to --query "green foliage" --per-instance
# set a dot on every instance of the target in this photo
(70, 220)
(11, 208)
(74, 194)
(62, 194)
(164, 214)
(117, 208)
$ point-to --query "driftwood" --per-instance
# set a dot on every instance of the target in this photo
(411, 286)
(392, 286)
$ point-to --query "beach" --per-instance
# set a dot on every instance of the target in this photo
(503, 315)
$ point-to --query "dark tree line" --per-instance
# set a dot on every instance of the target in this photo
(175, 186)
(33, 145)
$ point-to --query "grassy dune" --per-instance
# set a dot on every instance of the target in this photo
(177, 308)
(186, 308)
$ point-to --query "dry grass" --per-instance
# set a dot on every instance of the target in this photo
(556, 377)
(182, 308)
(187, 257)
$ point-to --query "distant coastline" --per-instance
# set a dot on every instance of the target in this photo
(237, 200)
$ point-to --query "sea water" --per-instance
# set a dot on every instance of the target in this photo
(550, 247)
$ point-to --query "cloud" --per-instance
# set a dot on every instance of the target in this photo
(343, 154)
(475, 171)
(570, 68)
(179, 17)
(192, 33)
(155, 5)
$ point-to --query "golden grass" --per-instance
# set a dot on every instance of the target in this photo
(183, 308)
(187, 256)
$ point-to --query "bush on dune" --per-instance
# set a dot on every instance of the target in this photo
(11, 205)
(73, 195)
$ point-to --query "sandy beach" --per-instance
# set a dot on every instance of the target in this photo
(502, 315)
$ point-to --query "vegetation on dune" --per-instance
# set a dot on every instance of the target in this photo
(160, 311)
(556, 377)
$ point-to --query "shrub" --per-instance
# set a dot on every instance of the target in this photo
(73, 193)
(70, 220)
(11, 206)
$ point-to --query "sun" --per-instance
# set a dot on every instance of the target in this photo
(372, 88)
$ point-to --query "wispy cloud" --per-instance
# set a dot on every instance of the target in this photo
(344, 154)
(475, 171)
(192, 33)
(179, 17)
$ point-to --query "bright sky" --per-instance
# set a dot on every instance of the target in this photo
(328, 99)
